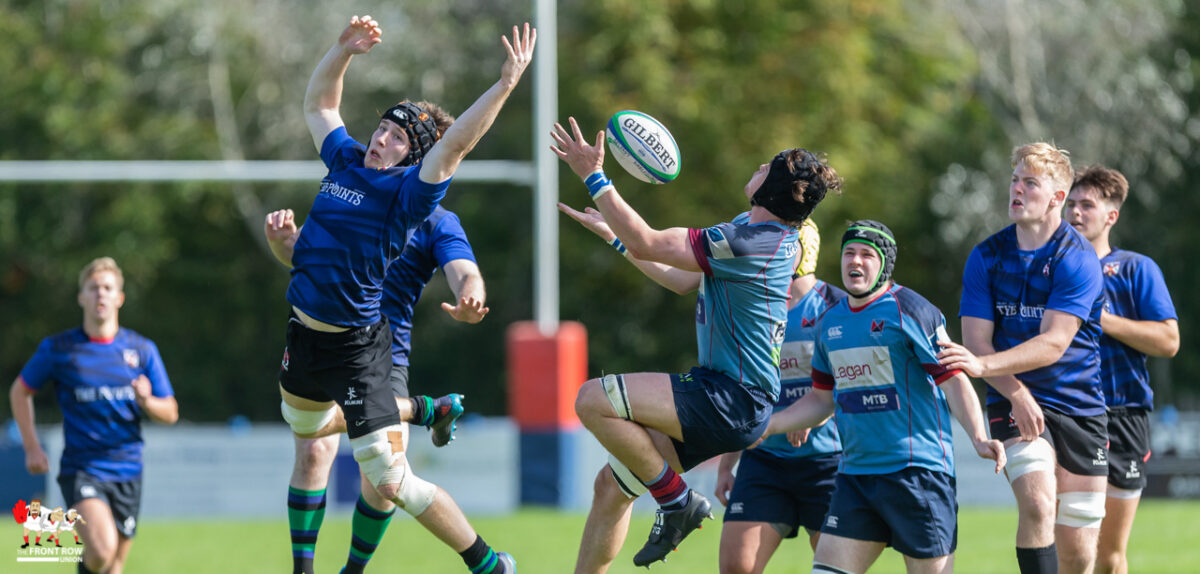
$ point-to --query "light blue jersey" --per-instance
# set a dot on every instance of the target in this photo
(795, 366)
(741, 307)
(880, 361)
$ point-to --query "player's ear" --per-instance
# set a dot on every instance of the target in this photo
(1113, 216)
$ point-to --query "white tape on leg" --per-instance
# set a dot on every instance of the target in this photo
(1027, 457)
(306, 422)
(1080, 509)
(614, 387)
(630, 485)
(382, 464)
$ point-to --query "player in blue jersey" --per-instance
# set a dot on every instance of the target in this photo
(1138, 320)
(781, 488)
(338, 351)
(875, 366)
(1030, 313)
(655, 425)
(106, 380)
(439, 242)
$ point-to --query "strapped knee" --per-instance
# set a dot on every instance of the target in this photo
(1080, 509)
(380, 455)
(630, 484)
(819, 568)
(306, 422)
(614, 388)
(1027, 457)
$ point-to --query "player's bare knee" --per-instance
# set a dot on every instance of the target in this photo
(589, 398)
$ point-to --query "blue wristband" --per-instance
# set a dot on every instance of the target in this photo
(620, 247)
(598, 184)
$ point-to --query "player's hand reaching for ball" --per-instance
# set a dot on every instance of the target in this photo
(520, 54)
(467, 310)
(571, 147)
(591, 219)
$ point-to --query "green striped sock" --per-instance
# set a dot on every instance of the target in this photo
(367, 528)
(422, 410)
(306, 511)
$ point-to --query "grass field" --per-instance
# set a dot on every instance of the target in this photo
(1166, 539)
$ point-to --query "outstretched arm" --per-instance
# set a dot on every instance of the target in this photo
(282, 233)
(324, 94)
(445, 156)
(811, 410)
(467, 285)
(964, 405)
(677, 280)
(670, 246)
(977, 342)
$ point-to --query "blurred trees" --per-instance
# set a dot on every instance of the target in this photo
(917, 104)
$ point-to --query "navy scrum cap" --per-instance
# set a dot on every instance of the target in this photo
(418, 124)
(876, 235)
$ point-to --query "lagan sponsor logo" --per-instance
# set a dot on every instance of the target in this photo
(852, 372)
(862, 367)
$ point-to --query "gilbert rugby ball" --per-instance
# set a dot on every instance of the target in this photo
(643, 146)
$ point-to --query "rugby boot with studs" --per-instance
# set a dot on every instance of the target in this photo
(446, 411)
(671, 527)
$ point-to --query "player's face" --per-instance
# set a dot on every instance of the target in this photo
(389, 146)
(1089, 214)
(101, 296)
(756, 180)
(1031, 196)
(860, 266)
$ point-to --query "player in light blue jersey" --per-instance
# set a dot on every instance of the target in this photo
(338, 344)
(874, 367)
(655, 425)
(1139, 320)
(1030, 313)
(781, 488)
(107, 379)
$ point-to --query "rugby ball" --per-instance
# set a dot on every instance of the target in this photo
(643, 146)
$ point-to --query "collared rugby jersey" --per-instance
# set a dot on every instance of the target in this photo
(438, 241)
(1014, 288)
(795, 366)
(880, 361)
(102, 422)
(359, 223)
(1134, 288)
(741, 306)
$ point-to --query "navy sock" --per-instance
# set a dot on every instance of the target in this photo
(481, 559)
(1038, 560)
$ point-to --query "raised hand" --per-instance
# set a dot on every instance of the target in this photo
(520, 54)
(571, 147)
(360, 36)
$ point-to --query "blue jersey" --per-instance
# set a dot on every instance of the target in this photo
(1013, 288)
(880, 361)
(795, 366)
(1133, 288)
(741, 307)
(359, 223)
(438, 241)
(102, 428)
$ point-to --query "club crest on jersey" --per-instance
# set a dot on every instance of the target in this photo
(132, 359)
(876, 326)
(286, 359)
(806, 322)
(1046, 270)
(1111, 269)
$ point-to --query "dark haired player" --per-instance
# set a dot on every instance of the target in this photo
(875, 365)
(338, 342)
(655, 425)
(1139, 319)
(781, 488)
(107, 379)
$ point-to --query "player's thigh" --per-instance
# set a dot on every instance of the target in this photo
(848, 554)
(939, 565)
(100, 533)
(666, 447)
(646, 397)
(1118, 522)
(122, 554)
(747, 546)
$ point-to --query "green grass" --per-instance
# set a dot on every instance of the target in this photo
(544, 542)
